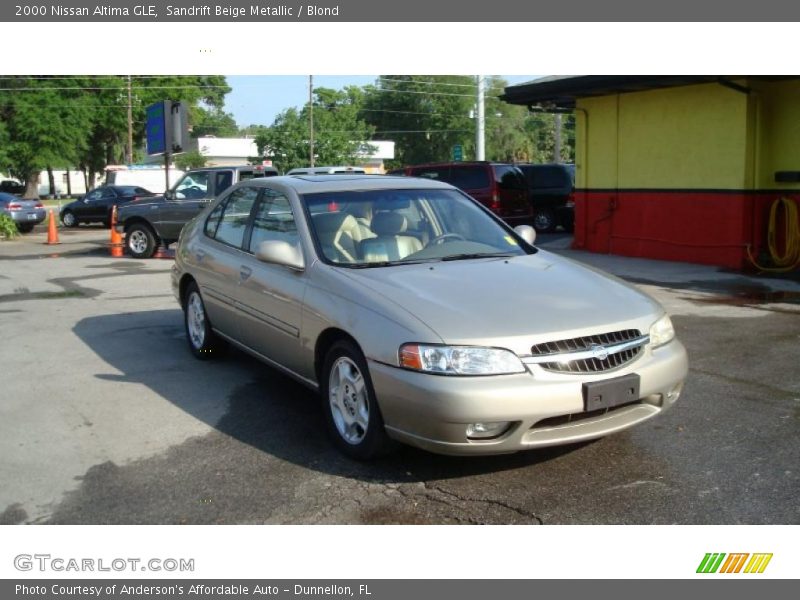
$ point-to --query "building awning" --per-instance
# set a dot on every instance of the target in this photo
(563, 91)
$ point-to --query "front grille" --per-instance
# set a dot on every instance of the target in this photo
(589, 365)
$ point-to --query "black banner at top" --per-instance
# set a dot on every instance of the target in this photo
(405, 11)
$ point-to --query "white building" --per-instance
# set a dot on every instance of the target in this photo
(374, 153)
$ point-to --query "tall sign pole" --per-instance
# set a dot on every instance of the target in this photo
(130, 122)
(311, 118)
(480, 122)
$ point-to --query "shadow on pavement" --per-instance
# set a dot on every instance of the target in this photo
(266, 410)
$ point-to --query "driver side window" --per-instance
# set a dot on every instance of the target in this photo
(193, 186)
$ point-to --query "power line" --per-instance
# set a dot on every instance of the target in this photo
(423, 81)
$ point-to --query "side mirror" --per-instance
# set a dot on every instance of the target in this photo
(169, 195)
(281, 253)
(526, 232)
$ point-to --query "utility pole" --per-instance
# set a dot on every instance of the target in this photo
(557, 145)
(130, 122)
(311, 118)
(480, 134)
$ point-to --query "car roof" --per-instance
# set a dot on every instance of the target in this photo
(463, 163)
(236, 167)
(312, 184)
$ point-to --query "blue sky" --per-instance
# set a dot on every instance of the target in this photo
(257, 99)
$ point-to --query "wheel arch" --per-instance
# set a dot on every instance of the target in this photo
(324, 343)
(183, 285)
(136, 220)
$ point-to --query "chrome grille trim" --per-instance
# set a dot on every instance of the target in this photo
(588, 354)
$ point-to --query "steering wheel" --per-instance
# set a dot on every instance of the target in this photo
(440, 239)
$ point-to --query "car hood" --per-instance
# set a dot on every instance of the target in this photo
(530, 299)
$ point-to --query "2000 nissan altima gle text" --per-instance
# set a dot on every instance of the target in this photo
(421, 317)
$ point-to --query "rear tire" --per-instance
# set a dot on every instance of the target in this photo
(352, 415)
(140, 241)
(25, 227)
(203, 342)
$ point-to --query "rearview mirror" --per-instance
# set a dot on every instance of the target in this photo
(281, 253)
(526, 232)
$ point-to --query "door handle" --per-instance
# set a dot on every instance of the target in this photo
(245, 272)
(200, 255)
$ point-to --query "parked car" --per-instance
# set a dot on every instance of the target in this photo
(9, 186)
(421, 317)
(96, 206)
(25, 213)
(551, 189)
(149, 223)
(326, 171)
(498, 186)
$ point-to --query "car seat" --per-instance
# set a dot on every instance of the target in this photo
(390, 243)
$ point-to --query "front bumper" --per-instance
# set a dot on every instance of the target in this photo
(432, 412)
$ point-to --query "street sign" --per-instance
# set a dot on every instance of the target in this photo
(166, 127)
(155, 130)
(458, 153)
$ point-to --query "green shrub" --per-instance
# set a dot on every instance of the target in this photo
(8, 228)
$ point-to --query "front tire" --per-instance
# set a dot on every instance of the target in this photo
(69, 219)
(203, 342)
(352, 416)
(140, 241)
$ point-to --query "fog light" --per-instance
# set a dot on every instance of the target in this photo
(485, 431)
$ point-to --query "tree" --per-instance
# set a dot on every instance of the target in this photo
(190, 160)
(47, 121)
(212, 121)
(506, 137)
(428, 115)
(425, 115)
(339, 133)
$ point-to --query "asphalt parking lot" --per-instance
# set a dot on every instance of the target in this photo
(106, 418)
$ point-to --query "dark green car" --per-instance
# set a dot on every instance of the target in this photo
(148, 223)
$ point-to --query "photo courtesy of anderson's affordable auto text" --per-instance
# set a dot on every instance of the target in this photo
(358, 335)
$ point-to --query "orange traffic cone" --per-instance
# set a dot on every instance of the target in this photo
(52, 230)
(116, 244)
(163, 252)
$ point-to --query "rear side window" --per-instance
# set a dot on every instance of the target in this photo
(550, 177)
(469, 177)
(510, 178)
(235, 214)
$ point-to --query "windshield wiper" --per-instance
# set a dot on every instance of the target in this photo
(468, 255)
(386, 263)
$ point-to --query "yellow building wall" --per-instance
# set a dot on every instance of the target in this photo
(675, 138)
(777, 131)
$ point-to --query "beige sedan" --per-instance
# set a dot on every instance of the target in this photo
(420, 317)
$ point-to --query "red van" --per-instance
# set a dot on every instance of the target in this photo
(500, 187)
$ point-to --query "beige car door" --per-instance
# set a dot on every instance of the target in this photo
(271, 296)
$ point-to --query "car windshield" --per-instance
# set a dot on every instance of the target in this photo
(378, 228)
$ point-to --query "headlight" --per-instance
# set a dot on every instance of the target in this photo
(459, 360)
(661, 332)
